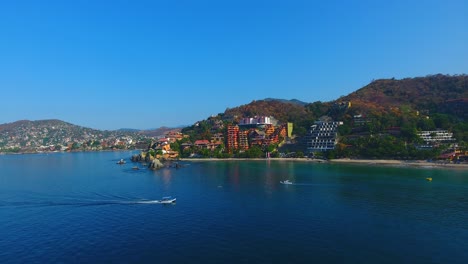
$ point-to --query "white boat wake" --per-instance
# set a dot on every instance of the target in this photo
(32, 199)
(80, 203)
(149, 202)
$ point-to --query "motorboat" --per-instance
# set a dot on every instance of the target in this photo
(164, 200)
(286, 182)
(121, 161)
(167, 200)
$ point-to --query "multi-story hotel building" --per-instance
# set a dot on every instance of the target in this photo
(232, 138)
(323, 136)
(243, 140)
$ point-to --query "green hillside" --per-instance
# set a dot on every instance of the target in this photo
(380, 120)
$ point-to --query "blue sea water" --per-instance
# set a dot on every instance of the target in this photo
(84, 208)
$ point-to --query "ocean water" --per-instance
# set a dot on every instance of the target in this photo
(84, 208)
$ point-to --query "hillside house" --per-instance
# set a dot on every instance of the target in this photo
(203, 144)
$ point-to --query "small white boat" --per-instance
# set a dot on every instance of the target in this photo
(167, 200)
(286, 182)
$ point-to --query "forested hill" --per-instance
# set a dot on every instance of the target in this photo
(430, 94)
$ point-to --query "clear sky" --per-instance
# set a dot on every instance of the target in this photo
(144, 64)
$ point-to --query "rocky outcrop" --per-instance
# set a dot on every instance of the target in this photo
(149, 158)
(142, 157)
(155, 164)
(146, 157)
(137, 158)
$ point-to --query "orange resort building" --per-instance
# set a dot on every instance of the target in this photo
(323, 136)
(232, 138)
(243, 139)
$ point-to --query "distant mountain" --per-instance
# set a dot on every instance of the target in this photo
(292, 101)
(128, 130)
(158, 131)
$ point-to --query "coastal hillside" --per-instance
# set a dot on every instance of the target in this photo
(431, 94)
(49, 135)
(413, 104)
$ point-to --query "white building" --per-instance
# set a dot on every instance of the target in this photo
(323, 136)
(261, 120)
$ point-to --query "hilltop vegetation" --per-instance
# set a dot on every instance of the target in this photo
(428, 95)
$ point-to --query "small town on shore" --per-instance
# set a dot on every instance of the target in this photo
(257, 137)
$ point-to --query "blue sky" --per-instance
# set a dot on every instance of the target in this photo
(145, 64)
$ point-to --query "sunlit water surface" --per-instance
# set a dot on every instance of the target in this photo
(84, 208)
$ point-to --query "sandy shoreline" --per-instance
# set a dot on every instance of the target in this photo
(403, 163)
(395, 163)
